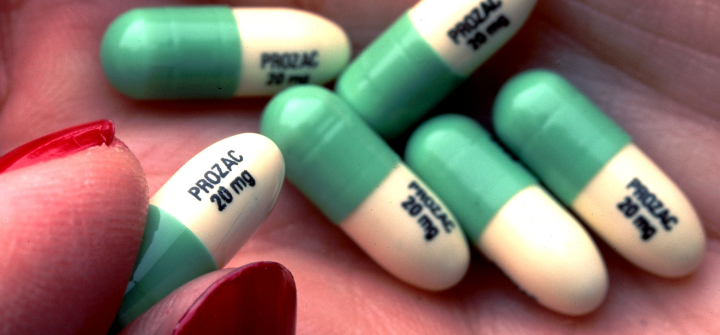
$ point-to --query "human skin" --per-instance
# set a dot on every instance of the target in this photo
(652, 65)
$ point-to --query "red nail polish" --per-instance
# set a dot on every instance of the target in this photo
(59, 144)
(258, 298)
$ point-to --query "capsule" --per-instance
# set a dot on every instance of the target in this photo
(202, 216)
(205, 52)
(424, 55)
(592, 166)
(509, 217)
(361, 185)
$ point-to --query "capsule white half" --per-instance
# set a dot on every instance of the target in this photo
(632, 204)
(546, 252)
(226, 192)
(282, 47)
(406, 229)
(466, 33)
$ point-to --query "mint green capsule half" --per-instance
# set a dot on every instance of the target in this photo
(556, 131)
(362, 186)
(390, 95)
(424, 55)
(173, 52)
(330, 153)
(170, 256)
(466, 168)
(205, 52)
(511, 219)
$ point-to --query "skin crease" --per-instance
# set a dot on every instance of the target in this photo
(650, 64)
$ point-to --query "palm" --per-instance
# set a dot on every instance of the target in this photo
(650, 65)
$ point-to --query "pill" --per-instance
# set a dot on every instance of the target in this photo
(202, 216)
(362, 186)
(509, 217)
(204, 52)
(424, 55)
(593, 167)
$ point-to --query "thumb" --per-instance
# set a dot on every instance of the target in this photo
(72, 214)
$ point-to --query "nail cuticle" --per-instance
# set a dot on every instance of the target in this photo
(59, 144)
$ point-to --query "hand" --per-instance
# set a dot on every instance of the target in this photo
(649, 64)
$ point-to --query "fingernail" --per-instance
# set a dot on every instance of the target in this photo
(59, 144)
(258, 298)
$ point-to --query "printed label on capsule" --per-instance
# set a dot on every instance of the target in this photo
(216, 174)
(279, 63)
(469, 28)
(642, 197)
(414, 205)
(289, 60)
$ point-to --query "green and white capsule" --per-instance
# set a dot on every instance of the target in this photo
(424, 55)
(592, 166)
(361, 185)
(511, 219)
(205, 52)
(202, 216)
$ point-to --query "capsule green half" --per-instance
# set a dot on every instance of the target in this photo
(330, 153)
(173, 53)
(170, 255)
(560, 134)
(397, 79)
(460, 161)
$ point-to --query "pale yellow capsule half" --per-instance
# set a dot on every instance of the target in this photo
(660, 231)
(225, 192)
(546, 252)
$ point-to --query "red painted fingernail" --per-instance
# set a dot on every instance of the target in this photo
(59, 144)
(258, 298)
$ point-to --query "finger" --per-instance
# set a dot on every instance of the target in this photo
(258, 298)
(70, 229)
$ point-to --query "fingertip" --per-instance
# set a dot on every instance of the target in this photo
(71, 229)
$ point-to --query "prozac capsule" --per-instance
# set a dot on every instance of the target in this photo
(592, 166)
(204, 52)
(511, 219)
(361, 185)
(202, 216)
